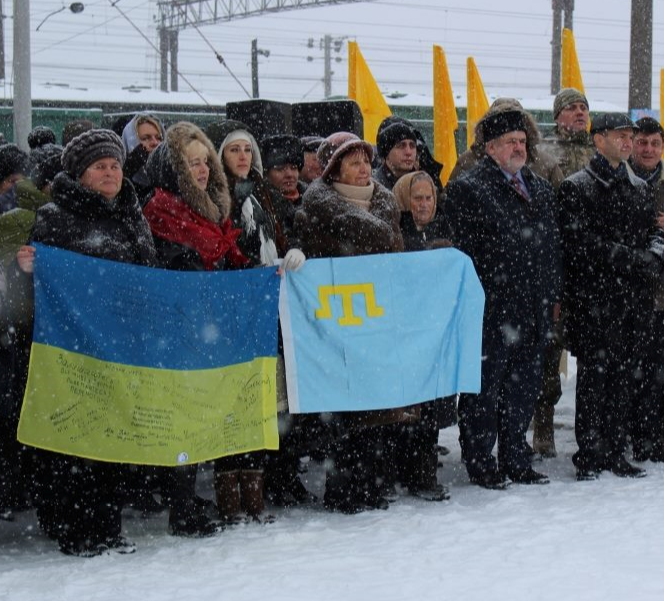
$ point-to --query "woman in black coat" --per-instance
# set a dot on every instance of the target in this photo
(95, 212)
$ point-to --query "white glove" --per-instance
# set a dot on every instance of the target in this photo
(293, 260)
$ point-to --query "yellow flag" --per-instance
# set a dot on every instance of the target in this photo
(363, 89)
(477, 103)
(570, 72)
(445, 121)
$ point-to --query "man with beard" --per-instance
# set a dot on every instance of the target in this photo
(502, 215)
(613, 260)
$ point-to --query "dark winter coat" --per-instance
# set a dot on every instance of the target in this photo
(83, 221)
(607, 219)
(385, 177)
(514, 245)
(330, 226)
(284, 214)
(426, 238)
(656, 180)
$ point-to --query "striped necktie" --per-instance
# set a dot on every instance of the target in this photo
(519, 187)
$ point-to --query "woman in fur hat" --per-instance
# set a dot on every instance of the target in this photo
(95, 212)
(346, 213)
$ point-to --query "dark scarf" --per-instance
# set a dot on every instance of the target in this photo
(601, 166)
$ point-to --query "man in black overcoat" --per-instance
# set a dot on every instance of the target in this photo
(502, 215)
(613, 260)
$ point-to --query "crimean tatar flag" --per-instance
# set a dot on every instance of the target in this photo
(445, 121)
(381, 331)
(133, 364)
(477, 104)
(570, 72)
(363, 89)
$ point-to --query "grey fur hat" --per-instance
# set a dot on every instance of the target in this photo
(90, 146)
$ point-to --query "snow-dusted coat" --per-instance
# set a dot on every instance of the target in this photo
(330, 226)
(83, 221)
(607, 221)
(514, 245)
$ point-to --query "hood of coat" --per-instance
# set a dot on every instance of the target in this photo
(167, 168)
(130, 131)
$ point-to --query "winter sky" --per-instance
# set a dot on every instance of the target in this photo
(99, 49)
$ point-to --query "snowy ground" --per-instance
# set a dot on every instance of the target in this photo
(575, 541)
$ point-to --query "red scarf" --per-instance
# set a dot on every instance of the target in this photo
(171, 219)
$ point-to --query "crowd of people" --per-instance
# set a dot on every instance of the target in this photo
(565, 233)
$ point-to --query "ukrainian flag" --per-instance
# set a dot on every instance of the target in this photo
(139, 365)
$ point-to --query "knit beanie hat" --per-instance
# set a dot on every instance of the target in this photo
(39, 136)
(565, 97)
(334, 147)
(391, 135)
(90, 146)
(12, 160)
(282, 149)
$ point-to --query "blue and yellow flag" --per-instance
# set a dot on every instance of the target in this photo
(381, 331)
(139, 365)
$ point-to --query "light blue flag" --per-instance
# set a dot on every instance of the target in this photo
(381, 331)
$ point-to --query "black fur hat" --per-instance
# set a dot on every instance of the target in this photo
(282, 149)
(501, 123)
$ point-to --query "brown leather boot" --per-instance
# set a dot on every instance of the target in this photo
(251, 495)
(227, 489)
(543, 440)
